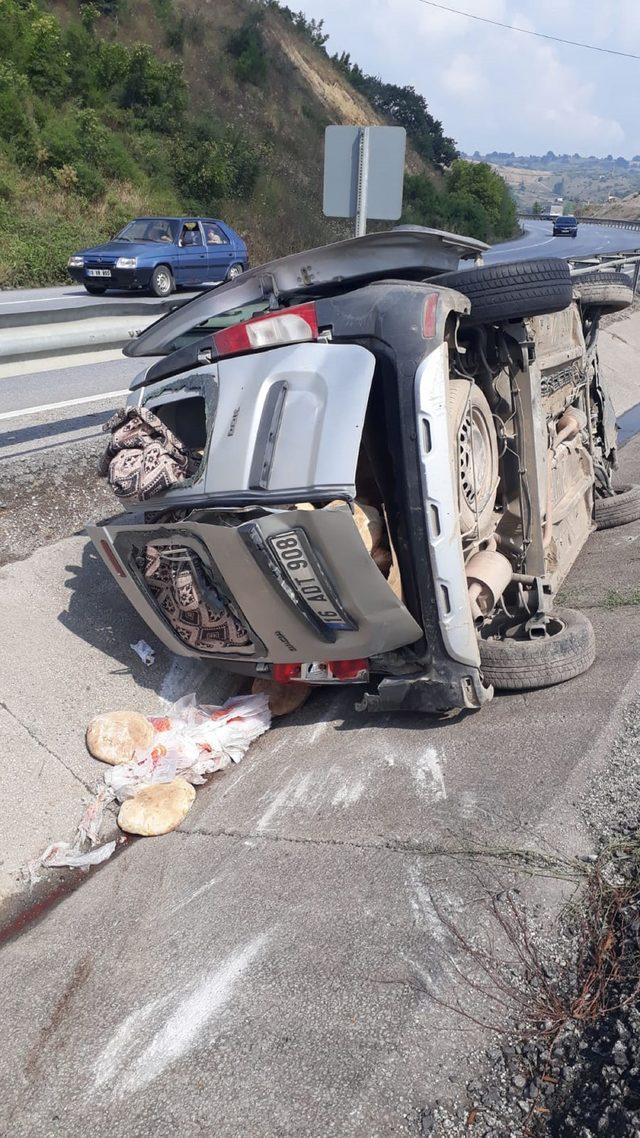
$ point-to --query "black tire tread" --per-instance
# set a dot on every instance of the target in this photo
(514, 290)
(516, 665)
(623, 508)
(610, 292)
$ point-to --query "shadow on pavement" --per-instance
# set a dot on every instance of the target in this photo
(99, 614)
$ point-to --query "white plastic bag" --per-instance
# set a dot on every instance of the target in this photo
(189, 741)
(192, 742)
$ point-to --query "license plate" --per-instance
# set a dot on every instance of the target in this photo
(98, 272)
(294, 556)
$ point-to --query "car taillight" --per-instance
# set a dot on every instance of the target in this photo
(112, 559)
(429, 316)
(289, 326)
(285, 673)
(349, 669)
(336, 671)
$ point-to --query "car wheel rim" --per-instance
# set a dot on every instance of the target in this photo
(234, 271)
(475, 460)
(163, 282)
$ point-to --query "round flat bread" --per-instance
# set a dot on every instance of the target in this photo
(119, 736)
(157, 809)
(283, 698)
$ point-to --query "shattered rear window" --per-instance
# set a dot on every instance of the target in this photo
(215, 323)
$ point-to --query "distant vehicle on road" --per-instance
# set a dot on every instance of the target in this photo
(565, 226)
(162, 254)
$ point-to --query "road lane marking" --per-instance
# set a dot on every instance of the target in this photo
(24, 411)
(60, 363)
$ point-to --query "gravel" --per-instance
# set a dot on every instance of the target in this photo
(44, 500)
(577, 1078)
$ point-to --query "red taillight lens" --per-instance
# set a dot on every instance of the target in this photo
(285, 673)
(349, 669)
(112, 559)
(429, 316)
(289, 326)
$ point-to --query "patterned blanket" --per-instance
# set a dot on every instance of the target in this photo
(143, 457)
(191, 605)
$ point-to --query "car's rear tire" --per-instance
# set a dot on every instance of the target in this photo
(517, 663)
(513, 291)
(610, 292)
(234, 271)
(161, 282)
(622, 508)
(95, 289)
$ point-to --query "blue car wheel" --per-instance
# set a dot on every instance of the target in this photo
(161, 281)
(234, 271)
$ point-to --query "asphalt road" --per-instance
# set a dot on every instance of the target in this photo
(281, 966)
(22, 300)
(24, 393)
(538, 241)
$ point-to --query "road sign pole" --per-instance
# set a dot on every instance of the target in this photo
(363, 182)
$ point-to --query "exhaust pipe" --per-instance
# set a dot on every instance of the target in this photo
(488, 574)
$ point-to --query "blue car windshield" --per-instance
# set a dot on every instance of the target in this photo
(150, 229)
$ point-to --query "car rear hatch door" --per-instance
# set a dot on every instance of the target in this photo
(282, 425)
(331, 603)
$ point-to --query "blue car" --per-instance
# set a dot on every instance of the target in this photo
(162, 254)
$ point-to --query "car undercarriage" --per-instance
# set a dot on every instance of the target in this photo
(379, 477)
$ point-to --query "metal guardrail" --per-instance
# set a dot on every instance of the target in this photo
(615, 222)
(604, 261)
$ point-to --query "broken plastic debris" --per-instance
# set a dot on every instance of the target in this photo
(91, 821)
(63, 854)
(145, 652)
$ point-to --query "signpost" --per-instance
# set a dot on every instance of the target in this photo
(364, 173)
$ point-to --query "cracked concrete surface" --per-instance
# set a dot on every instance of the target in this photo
(278, 966)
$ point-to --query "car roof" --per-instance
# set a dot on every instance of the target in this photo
(170, 217)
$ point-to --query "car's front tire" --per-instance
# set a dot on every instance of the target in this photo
(161, 282)
(95, 289)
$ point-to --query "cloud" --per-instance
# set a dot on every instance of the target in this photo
(463, 77)
(493, 88)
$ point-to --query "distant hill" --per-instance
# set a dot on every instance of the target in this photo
(625, 209)
(582, 181)
(111, 108)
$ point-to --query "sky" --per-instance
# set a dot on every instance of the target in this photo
(494, 89)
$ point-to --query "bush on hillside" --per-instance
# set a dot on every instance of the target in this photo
(473, 200)
(18, 129)
(210, 167)
(246, 47)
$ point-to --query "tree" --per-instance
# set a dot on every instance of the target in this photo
(536, 209)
